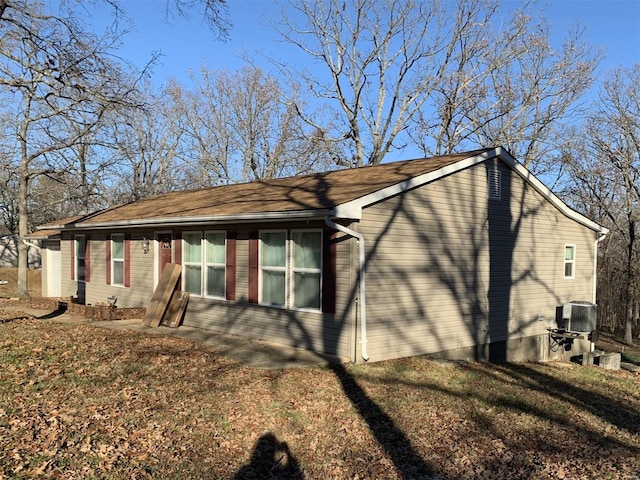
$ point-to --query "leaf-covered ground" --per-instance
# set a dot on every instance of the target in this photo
(78, 401)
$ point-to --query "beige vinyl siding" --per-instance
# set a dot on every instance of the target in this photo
(448, 268)
(97, 289)
(310, 330)
(316, 331)
(141, 271)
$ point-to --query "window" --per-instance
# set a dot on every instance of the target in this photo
(273, 267)
(215, 264)
(192, 262)
(569, 261)
(117, 259)
(295, 263)
(204, 262)
(80, 254)
(307, 268)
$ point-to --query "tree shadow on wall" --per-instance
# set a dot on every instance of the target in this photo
(270, 459)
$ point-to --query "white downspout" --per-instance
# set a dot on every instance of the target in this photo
(362, 271)
(595, 263)
(596, 242)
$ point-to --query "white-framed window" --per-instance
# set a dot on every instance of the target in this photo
(215, 264)
(117, 259)
(273, 267)
(291, 261)
(192, 262)
(204, 263)
(306, 268)
(80, 261)
(569, 261)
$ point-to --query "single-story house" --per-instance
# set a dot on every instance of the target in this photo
(465, 255)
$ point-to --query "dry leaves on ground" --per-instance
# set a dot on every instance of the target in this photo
(78, 401)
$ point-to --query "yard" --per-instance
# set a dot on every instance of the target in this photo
(78, 401)
(10, 275)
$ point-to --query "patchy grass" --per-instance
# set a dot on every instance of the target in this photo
(34, 281)
(78, 401)
(629, 353)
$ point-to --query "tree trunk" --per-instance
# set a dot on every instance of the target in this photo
(629, 320)
(23, 252)
(628, 325)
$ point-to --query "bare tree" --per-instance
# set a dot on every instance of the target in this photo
(242, 126)
(145, 145)
(507, 86)
(381, 58)
(214, 13)
(606, 165)
(52, 74)
(447, 76)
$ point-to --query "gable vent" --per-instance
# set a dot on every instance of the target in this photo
(494, 178)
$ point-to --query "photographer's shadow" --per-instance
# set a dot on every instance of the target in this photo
(270, 459)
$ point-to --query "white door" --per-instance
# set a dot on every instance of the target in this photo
(53, 269)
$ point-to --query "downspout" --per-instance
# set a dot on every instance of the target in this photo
(595, 263)
(361, 284)
(596, 242)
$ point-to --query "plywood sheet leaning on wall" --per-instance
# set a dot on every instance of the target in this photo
(175, 311)
(162, 295)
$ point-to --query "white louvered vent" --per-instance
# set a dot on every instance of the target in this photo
(494, 178)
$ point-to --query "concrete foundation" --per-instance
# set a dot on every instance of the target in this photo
(540, 348)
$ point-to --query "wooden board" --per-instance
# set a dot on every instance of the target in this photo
(173, 316)
(162, 295)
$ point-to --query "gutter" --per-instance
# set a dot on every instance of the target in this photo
(195, 220)
(362, 271)
(29, 244)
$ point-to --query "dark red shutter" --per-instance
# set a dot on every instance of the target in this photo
(127, 260)
(230, 271)
(87, 259)
(177, 248)
(73, 258)
(253, 267)
(108, 265)
(329, 253)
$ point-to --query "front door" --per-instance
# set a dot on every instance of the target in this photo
(165, 254)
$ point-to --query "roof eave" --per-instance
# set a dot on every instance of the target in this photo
(353, 209)
(525, 174)
(288, 216)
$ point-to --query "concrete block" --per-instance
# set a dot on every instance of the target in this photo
(610, 361)
(631, 367)
(589, 358)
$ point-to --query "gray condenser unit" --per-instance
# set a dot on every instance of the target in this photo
(578, 317)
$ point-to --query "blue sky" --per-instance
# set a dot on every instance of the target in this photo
(613, 25)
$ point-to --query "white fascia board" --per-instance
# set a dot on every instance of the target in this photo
(542, 189)
(353, 209)
(202, 220)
